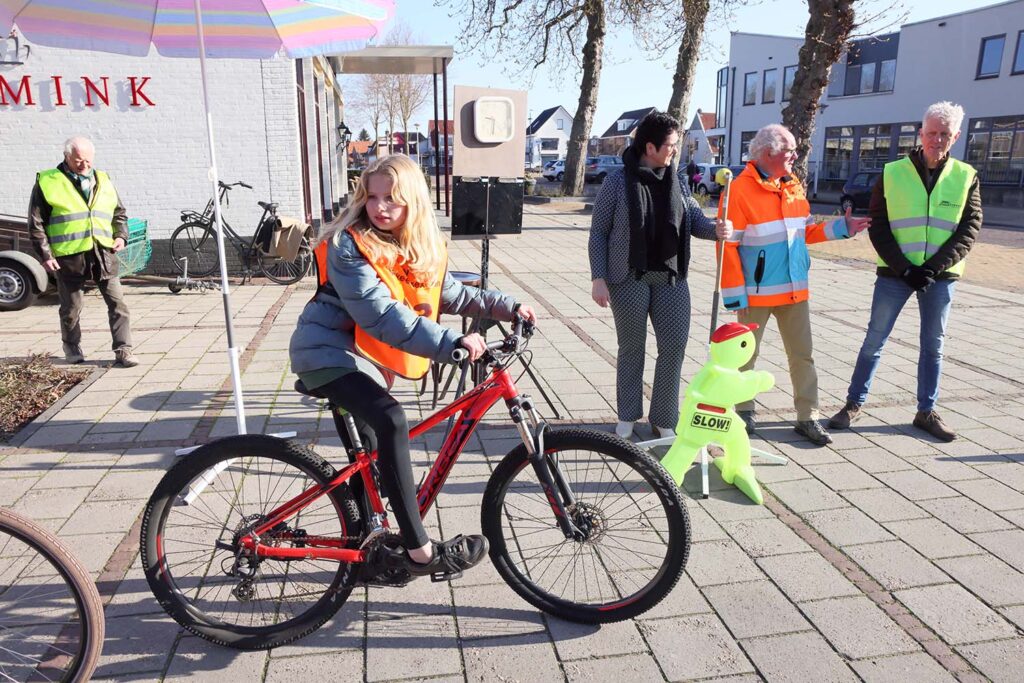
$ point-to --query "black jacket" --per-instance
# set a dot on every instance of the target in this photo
(99, 264)
(949, 254)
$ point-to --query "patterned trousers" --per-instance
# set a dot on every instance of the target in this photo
(668, 307)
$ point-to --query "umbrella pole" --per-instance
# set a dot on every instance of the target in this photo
(236, 380)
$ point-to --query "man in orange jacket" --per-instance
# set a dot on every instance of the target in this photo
(764, 270)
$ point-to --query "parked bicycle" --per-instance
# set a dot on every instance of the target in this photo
(51, 616)
(194, 244)
(581, 524)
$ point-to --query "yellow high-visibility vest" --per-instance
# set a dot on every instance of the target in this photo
(74, 224)
(921, 223)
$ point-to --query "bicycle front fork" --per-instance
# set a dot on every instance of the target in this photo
(545, 465)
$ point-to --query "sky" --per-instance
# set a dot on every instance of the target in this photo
(631, 77)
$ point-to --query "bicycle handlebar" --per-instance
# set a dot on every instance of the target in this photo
(521, 331)
(228, 186)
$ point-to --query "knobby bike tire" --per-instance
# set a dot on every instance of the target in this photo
(645, 485)
(186, 604)
(286, 272)
(79, 583)
(198, 243)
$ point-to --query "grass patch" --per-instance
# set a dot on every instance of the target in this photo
(28, 386)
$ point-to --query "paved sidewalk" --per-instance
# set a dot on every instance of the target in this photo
(885, 557)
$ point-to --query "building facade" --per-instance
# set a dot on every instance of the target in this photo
(547, 137)
(276, 127)
(879, 89)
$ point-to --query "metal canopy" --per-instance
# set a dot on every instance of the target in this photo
(410, 59)
(404, 59)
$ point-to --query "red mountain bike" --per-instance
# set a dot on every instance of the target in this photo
(581, 524)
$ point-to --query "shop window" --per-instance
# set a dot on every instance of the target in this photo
(768, 85)
(995, 147)
(788, 75)
(907, 139)
(750, 88)
(838, 153)
(990, 57)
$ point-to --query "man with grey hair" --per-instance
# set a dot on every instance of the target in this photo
(78, 224)
(925, 216)
(765, 264)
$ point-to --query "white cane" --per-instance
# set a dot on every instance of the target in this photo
(723, 178)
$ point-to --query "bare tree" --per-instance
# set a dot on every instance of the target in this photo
(695, 13)
(367, 101)
(560, 33)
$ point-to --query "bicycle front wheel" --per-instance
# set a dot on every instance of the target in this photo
(636, 532)
(196, 242)
(51, 615)
(211, 587)
(286, 272)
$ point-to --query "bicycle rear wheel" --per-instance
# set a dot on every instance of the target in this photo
(189, 554)
(286, 272)
(196, 242)
(51, 615)
(637, 531)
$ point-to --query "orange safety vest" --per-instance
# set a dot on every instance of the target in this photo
(424, 299)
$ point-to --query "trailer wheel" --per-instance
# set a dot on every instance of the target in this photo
(17, 287)
(175, 287)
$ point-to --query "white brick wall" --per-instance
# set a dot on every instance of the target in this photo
(157, 156)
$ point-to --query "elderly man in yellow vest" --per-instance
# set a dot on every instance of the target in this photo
(78, 224)
(925, 216)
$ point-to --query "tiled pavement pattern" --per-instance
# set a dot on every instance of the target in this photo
(885, 557)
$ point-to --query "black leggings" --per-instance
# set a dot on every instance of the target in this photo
(383, 427)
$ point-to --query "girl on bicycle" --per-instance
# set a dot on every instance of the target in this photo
(375, 318)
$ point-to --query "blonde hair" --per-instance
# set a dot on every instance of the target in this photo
(418, 244)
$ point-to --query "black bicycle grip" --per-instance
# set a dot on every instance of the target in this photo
(246, 185)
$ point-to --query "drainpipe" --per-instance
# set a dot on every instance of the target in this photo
(732, 107)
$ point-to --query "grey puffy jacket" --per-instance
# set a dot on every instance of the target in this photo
(325, 334)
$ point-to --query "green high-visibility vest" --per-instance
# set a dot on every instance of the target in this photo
(921, 223)
(74, 224)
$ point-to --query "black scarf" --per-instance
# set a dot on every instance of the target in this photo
(655, 204)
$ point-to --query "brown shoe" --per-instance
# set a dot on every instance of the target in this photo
(125, 358)
(813, 432)
(845, 417)
(930, 422)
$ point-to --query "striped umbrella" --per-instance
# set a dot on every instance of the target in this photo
(252, 29)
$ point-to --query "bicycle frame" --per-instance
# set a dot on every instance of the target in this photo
(473, 406)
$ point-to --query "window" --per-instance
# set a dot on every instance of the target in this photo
(750, 88)
(991, 56)
(867, 77)
(768, 85)
(995, 147)
(623, 125)
(907, 139)
(745, 139)
(548, 144)
(1018, 55)
(722, 99)
(838, 152)
(788, 75)
(561, 124)
(887, 75)
(873, 150)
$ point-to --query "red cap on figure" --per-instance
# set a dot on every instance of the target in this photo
(730, 330)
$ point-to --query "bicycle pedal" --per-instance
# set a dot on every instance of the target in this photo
(438, 577)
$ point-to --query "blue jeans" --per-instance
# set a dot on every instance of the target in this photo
(891, 293)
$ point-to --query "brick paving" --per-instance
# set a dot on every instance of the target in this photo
(887, 556)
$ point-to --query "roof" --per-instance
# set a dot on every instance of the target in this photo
(359, 146)
(707, 119)
(635, 116)
(541, 120)
(398, 59)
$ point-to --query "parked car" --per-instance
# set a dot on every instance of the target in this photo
(22, 278)
(556, 171)
(857, 190)
(599, 167)
(707, 184)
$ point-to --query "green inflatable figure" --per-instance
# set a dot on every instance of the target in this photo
(708, 414)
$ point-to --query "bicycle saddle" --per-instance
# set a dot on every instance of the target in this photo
(269, 206)
(302, 389)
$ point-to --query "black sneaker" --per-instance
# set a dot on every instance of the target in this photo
(813, 432)
(749, 419)
(450, 558)
(930, 422)
(849, 414)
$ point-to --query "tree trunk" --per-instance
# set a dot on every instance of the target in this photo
(576, 156)
(828, 28)
(695, 13)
